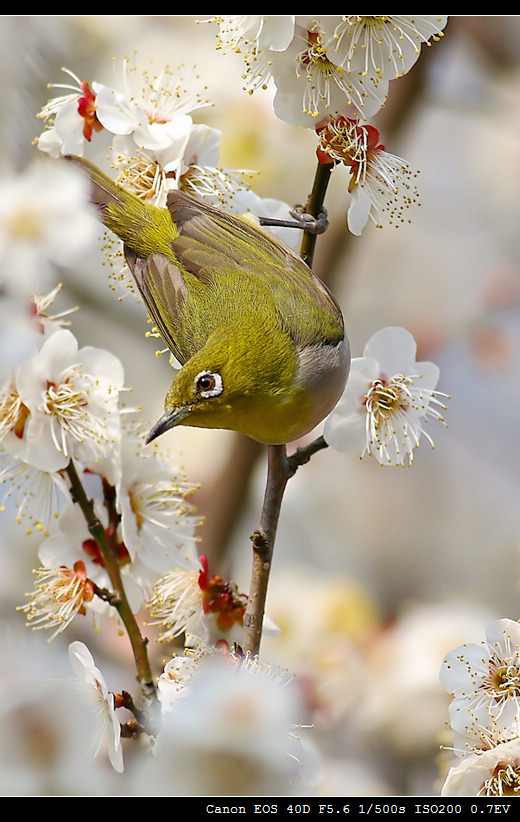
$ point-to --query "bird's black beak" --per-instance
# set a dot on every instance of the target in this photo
(168, 420)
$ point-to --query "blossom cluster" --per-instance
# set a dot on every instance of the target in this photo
(61, 417)
(484, 683)
(145, 126)
(331, 74)
(114, 517)
(327, 65)
(229, 727)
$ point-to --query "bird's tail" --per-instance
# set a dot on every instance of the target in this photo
(143, 227)
(104, 190)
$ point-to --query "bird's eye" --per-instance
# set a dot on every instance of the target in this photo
(208, 384)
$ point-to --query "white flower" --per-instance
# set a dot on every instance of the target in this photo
(101, 700)
(202, 148)
(380, 46)
(494, 772)
(175, 680)
(36, 494)
(153, 111)
(381, 184)
(311, 84)
(74, 542)
(204, 607)
(72, 119)
(484, 681)
(151, 174)
(231, 734)
(179, 673)
(24, 326)
(387, 399)
(260, 31)
(66, 404)
(60, 594)
(197, 604)
(157, 522)
(256, 37)
(45, 727)
(45, 222)
(177, 605)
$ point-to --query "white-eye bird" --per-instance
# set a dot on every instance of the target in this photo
(260, 338)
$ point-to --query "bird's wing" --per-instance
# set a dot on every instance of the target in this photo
(209, 238)
(211, 243)
(164, 291)
(227, 265)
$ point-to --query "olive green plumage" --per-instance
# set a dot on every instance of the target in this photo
(260, 338)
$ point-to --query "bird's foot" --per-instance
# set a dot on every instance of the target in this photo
(315, 225)
(302, 220)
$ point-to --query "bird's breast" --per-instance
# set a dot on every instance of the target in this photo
(323, 370)
(285, 416)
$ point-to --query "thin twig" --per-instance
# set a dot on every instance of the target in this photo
(263, 545)
(302, 455)
(119, 600)
(315, 206)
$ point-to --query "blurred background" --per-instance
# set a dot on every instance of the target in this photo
(378, 572)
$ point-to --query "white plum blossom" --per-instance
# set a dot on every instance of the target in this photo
(35, 494)
(484, 681)
(311, 85)
(157, 522)
(202, 606)
(229, 731)
(492, 772)
(198, 604)
(388, 398)
(241, 32)
(256, 37)
(152, 111)
(381, 184)
(59, 595)
(380, 46)
(45, 726)
(179, 672)
(45, 223)
(102, 703)
(327, 65)
(70, 119)
(24, 325)
(73, 542)
(176, 605)
(174, 682)
(65, 405)
(150, 175)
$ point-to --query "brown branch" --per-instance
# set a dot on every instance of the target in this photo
(302, 455)
(314, 206)
(118, 599)
(263, 545)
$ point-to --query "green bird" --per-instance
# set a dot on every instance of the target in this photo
(260, 338)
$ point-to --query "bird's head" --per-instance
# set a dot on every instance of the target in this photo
(241, 380)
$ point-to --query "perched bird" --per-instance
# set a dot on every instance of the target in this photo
(260, 339)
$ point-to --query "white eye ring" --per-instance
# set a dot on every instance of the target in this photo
(208, 384)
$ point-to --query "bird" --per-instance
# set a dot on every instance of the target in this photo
(261, 340)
